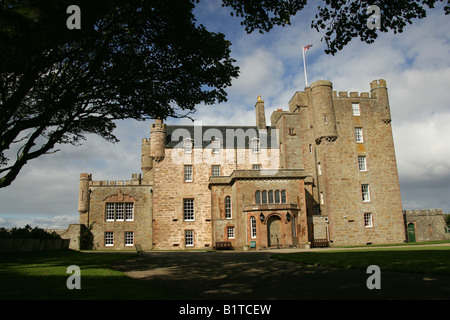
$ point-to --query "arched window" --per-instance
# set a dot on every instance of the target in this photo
(227, 207)
(253, 227)
(257, 197)
(270, 196)
(264, 197)
(283, 196)
(277, 196)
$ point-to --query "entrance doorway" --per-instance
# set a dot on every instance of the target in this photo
(411, 233)
(274, 231)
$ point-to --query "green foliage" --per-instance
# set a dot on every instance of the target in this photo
(27, 233)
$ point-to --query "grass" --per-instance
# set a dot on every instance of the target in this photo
(43, 275)
(432, 260)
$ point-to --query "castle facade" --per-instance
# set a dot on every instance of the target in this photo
(323, 172)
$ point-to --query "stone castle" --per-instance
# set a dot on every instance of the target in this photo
(323, 172)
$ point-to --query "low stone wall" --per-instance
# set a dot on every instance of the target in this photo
(429, 224)
(72, 233)
(28, 245)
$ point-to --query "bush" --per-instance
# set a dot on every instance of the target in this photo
(27, 233)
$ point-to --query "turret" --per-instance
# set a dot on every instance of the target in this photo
(146, 160)
(378, 90)
(323, 110)
(260, 114)
(158, 140)
(83, 193)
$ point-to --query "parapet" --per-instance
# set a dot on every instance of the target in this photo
(136, 180)
(422, 212)
(380, 83)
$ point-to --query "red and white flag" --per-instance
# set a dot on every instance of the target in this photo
(307, 47)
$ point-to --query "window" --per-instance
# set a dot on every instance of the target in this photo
(216, 146)
(255, 145)
(365, 192)
(256, 167)
(291, 131)
(321, 197)
(187, 145)
(230, 232)
(310, 148)
(258, 197)
(264, 197)
(277, 196)
(215, 171)
(188, 173)
(362, 163)
(188, 209)
(368, 222)
(109, 239)
(325, 119)
(227, 207)
(253, 227)
(129, 238)
(189, 238)
(355, 107)
(270, 196)
(119, 211)
(359, 135)
(283, 196)
(319, 169)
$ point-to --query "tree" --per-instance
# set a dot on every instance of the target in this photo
(135, 59)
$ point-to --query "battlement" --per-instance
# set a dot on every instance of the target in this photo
(145, 140)
(381, 83)
(136, 180)
(158, 126)
(424, 212)
(345, 94)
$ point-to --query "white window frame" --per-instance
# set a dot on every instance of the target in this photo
(321, 198)
(188, 173)
(187, 146)
(188, 210)
(253, 227)
(319, 168)
(215, 170)
(362, 164)
(215, 146)
(110, 208)
(356, 109)
(359, 136)
(325, 119)
(119, 211)
(256, 167)
(230, 232)
(228, 213)
(256, 148)
(129, 211)
(189, 238)
(365, 191)
(129, 238)
(368, 220)
(109, 238)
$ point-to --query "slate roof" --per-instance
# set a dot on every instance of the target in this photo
(231, 137)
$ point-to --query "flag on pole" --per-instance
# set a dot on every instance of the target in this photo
(304, 62)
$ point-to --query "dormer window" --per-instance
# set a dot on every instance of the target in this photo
(215, 146)
(187, 145)
(255, 145)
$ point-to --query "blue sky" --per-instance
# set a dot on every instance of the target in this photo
(415, 64)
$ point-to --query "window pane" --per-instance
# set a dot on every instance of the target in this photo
(367, 219)
(283, 196)
(188, 208)
(216, 171)
(109, 211)
(187, 146)
(129, 238)
(227, 207)
(270, 196)
(230, 232)
(120, 211)
(258, 197)
(277, 196)
(355, 107)
(253, 227)
(109, 239)
(129, 211)
(362, 163)
(189, 238)
(264, 197)
(365, 192)
(359, 135)
(187, 173)
(216, 146)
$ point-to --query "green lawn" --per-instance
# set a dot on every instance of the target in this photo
(43, 275)
(432, 259)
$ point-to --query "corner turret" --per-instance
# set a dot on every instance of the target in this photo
(378, 90)
(321, 93)
(158, 140)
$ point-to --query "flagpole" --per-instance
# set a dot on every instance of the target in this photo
(304, 65)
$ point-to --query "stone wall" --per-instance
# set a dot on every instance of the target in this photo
(429, 224)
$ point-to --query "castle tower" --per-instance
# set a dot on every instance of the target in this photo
(378, 89)
(323, 111)
(146, 160)
(83, 196)
(260, 114)
(158, 140)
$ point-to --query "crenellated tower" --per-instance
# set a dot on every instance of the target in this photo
(378, 90)
(321, 95)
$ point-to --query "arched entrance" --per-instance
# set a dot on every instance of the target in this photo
(274, 231)
(411, 233)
